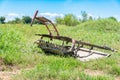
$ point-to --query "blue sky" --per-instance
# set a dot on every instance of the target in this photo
(53, 8)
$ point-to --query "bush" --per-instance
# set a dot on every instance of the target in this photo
(59, 20)
(10, 45)
(102, 25)
(26, 19)
(2, 19)
(68, 19)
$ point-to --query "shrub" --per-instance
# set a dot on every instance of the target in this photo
(68, 19)
(10, 45)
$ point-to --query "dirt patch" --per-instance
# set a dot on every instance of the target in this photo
(7, 75)
(94, 72)
(97, 73)
(7, 71)
(117, 78)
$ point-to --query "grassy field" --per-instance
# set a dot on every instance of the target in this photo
(17, 49)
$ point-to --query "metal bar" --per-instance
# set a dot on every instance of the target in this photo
(47, 28)
(34, 18)
(55, 28)
(67, 39)
(44, 20)
(92, 45)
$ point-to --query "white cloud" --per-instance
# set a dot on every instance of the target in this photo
(12, 16)
(51, 16)
(90, 15)
(79, 16)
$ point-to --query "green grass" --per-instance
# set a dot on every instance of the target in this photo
(57, 68)
(17, 48)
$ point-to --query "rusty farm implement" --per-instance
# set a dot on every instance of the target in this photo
(75, 48)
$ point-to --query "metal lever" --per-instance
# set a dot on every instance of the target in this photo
(34, 18)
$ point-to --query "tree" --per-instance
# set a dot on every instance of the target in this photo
(17, 20)
(11, 22)
(2, 19)
(90, 18)
(70, 20)
(59, 20)
(26, 19)
(112, 18)
(84, 16)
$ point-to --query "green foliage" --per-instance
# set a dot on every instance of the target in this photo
(11, 22)
(115, 70)
(68, 19)
(61, 69)
(57, 68)
(26, 19)
(59, 20)
(90, 18)
(104, 25)
(16, 21)
(84, 16)
(113, 18)
(2, 19)
(9, 39)
(10, 45)
(16, 48)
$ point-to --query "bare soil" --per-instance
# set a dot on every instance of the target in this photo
(117, 78)
(7, 71)
(97, 73)
(94, 72)
(7, 75)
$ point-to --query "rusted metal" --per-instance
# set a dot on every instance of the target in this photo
(67, 39)
(34, 18)
(45, 21)
(76, 45)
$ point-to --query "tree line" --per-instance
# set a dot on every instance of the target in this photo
(68, 19)
(72, 20)
(25, 20)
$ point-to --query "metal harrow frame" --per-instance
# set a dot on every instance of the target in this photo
(72, 50)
